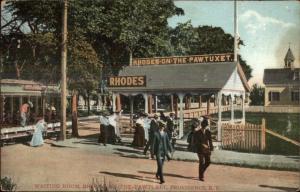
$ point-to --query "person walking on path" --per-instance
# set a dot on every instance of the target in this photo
(161, 148)
(153, 128)
(203, 146)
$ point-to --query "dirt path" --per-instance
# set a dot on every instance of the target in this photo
(61, 169)
(49, 168)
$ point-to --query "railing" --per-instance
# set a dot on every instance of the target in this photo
(274, 109)
(96, 108)
(195, 113)
(244, 137)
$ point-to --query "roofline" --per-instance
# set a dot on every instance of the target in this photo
(181, 56)
(243, 77)
(125, 89)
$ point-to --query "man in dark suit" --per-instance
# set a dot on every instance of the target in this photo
(161, 148)
(153, 128)
(203, 146)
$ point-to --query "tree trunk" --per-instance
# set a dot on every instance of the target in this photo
(17, 70)
(88, 103)
(74, 116)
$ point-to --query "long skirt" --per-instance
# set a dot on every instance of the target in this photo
(107, 134)
(37, 139)
(139, 137)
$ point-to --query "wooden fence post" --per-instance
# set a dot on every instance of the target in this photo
(263, 135)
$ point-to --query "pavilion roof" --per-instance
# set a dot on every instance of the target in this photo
(204, 77)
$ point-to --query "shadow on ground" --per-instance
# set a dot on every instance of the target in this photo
(131, 176)
(287, 189)
(170, 175)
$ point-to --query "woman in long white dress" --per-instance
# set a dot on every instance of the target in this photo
(37, 137)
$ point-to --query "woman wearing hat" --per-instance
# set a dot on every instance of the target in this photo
(24, 112)
(37, 137)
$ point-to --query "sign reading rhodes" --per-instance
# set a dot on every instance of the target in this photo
(127, 81)
(225, 57)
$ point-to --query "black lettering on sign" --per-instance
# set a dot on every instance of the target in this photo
(212, 58)
(127, 81)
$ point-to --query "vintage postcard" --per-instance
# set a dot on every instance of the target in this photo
(150, 95)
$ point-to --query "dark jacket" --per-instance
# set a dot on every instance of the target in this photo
(170, 127)
(200, 139)
(153, 128)
(161, 145)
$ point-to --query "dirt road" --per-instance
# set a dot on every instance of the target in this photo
(50, 168)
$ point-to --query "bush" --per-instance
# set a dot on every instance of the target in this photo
(7, 184)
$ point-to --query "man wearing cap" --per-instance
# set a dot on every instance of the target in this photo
(161, 148)
(24, 112)
(203, 146)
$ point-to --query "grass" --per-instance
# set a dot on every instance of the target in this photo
(286, 124)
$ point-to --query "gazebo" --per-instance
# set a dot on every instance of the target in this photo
(193, 75)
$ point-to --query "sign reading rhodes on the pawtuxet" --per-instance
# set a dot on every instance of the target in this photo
(225, 57)
(127, 81)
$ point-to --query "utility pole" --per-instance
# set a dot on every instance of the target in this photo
(235, 33)
(1, 61)
(63, 120)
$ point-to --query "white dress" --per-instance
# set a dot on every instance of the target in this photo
(37, 137)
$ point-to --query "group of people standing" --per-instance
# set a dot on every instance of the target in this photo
(145, 128)
(109, 128)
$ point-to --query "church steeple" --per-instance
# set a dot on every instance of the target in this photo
(289, 59)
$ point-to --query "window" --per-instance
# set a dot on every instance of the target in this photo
(274, 96)
(295, 95)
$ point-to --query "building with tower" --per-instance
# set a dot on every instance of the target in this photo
(282, 85)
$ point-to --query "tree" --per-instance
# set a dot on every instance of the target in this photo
(189, 40)
(257, 95)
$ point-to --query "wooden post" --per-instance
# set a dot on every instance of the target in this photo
(36, 105)
(1, 108)
(263, 135)
(176, 106)
(118, 104)
(172, 103)
(74, 116)
(200, 101)
(219, 98)
(150, 100)
(44, 105)
(208, 105)
(145, 95)
(181, 121)
(187, 102)
(131, 98)
(114, 102)
(12, 107)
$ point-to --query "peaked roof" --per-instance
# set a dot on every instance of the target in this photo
(281, 76)
(180, 77)
(289, 56)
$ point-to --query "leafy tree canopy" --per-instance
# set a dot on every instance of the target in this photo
(257, 95)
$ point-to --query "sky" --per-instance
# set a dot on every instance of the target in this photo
(267, 28)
